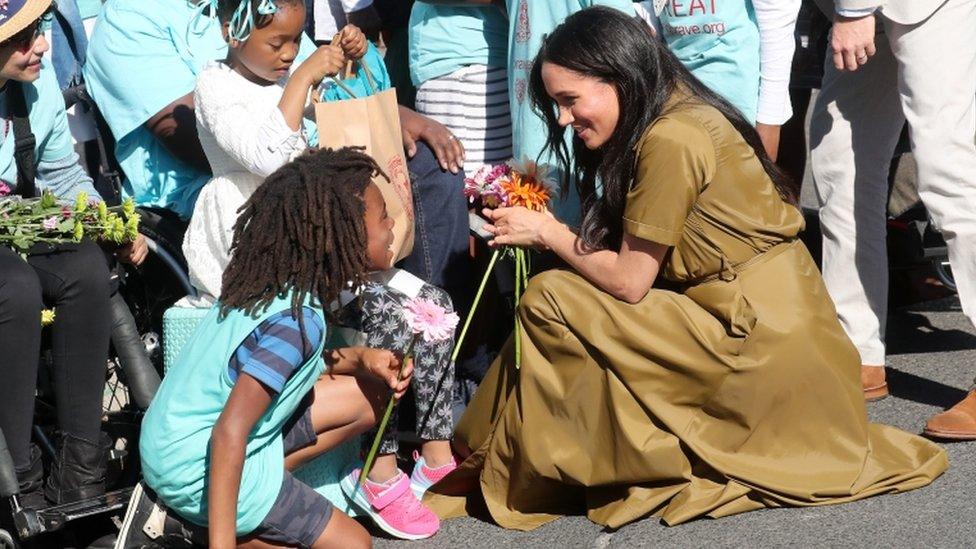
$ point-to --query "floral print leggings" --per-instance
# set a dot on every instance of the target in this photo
(378, 315)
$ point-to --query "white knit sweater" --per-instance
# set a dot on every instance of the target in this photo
(245, 138)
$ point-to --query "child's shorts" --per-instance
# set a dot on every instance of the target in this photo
(299, 514)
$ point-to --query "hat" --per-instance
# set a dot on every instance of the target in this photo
(17, 15)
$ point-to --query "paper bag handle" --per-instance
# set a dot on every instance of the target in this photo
(369, 80)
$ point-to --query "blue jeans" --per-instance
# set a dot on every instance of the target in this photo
(440, 249)
(69, 43)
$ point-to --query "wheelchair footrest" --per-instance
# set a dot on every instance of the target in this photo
(31, 522)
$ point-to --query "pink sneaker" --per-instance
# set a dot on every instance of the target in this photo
(392, 506)
(424, 477)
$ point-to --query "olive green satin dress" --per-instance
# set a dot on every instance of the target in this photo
(739, 392)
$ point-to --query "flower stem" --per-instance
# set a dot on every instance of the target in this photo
(474, 306)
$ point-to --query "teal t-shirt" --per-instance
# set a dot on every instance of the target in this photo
(89, 8)
(443, 39)
(49, 123)
(142, 56)
(718, 40)
(175, 439)
(529, 22)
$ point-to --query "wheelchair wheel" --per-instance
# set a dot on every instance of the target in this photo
(6, 540)
(944, 271)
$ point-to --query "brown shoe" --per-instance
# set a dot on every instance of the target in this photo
(956, 423)
(873, 382)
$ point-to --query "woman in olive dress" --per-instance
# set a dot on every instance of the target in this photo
(738, 390)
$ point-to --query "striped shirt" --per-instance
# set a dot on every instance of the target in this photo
(276, 348)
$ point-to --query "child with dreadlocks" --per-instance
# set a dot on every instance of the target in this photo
(253, 115)
(257, 391)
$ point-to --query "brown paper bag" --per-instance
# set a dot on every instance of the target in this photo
(374, 123)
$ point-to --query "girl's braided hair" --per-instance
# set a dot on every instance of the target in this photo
(303, 231)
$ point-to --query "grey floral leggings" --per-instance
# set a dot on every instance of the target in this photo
(379, 316)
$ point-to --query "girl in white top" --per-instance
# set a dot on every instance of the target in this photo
(251, 111)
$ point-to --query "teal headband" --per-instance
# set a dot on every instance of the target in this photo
(242, 22)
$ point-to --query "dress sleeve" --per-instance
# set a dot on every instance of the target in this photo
(262, 144)
(675, 160)
(777, 21)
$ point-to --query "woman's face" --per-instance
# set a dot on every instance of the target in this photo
(269, 52)
(21, 55)
(587, 104)
(379, 230)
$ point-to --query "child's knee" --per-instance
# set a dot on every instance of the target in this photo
(439, 296)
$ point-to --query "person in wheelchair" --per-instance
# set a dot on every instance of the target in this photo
(36, 154)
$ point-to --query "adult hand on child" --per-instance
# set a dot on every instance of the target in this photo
(133, 253)
(352, 41)
(385, 365)
(446, 146)
(325, 61)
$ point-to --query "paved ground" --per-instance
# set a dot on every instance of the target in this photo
(932, 362)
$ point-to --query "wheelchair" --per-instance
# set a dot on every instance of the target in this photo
(133, 374)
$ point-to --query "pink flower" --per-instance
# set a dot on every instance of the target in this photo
(50, 223)
(430, 319)
(4, 188)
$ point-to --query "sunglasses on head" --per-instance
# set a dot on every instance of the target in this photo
(24, 40)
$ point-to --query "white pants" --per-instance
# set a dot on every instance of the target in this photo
(926, 74)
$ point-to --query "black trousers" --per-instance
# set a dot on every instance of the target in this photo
(75, 282)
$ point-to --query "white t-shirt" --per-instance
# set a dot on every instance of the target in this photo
(330, 15)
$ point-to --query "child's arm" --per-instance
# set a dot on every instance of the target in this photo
(380, 363)
(248, 401)
(324, 61)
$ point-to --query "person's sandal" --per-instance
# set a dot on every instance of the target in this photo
(392, 506)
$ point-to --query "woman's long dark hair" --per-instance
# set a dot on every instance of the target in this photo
(604, 43)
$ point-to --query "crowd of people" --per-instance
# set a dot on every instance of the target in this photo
(684, 357)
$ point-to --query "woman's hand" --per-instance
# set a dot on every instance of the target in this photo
(446, 146)
(520, 227)
(352, 41)
(133, 253)
(325, 61)
(385, 365)
(769, 135)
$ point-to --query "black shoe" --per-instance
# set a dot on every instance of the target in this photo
(148, 524)
(79, 470)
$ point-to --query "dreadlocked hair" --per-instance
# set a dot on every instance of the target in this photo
(301, 231)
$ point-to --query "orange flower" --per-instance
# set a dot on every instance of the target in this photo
(528, 192)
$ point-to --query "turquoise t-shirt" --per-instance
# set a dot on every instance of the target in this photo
(89, 8)
(45, 106)
(718, 40)
(529, 22)
(176, 430)
(444, 39)
(143, 55)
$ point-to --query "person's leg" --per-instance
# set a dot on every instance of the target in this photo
(938, 95)
(341, 408)
(433, 385)
(440, 251)
(76, 284)
(856, 122)
(20, 343)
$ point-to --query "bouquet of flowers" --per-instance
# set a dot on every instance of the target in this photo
(506, 185)
(25, 222)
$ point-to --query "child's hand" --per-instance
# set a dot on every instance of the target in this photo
(325, 61)
(352, 41)
(386, 366)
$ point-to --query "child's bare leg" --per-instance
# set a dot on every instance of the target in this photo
(436, 453)
(341, 533)
(384, 468)
(342, 408)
